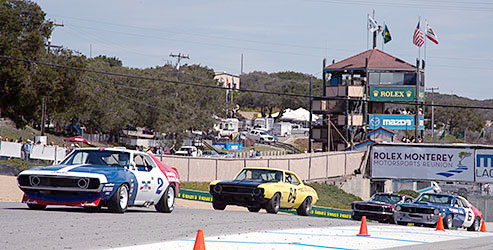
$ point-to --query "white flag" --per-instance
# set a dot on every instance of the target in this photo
(372, 24)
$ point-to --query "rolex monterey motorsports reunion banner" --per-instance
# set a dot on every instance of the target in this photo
(427, 163)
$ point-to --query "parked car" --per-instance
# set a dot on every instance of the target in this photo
(210, 154)
(95, 177)
(297, 129)
(380, 207)
(455, 210)
(187, 151)
(268, 188)
(261, 136)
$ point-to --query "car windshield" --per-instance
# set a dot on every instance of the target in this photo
(387, 198)
(98, 157)
(435, 199)
(264, 175)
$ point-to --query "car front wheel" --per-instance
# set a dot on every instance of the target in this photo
(36, 206)
(447, 222)
(119, 202)
(254, 209)
(167, 202)
(305, 207)
(217, 205)
(273, 204)
(475, 225)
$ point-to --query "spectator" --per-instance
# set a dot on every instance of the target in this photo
(27, 149)
(387, 111)
(252, 153)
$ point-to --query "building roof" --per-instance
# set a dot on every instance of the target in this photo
(377, 59)
(385, 130)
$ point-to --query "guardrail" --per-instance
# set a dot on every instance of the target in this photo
(316, 211)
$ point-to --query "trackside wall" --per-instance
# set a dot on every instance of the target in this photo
(315, 166)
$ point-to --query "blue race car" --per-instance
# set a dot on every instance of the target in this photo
(425, 210)
(105, 177)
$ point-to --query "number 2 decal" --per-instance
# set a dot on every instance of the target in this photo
(292, 195)
(160, 182)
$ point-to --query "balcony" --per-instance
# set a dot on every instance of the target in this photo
(354, 120)
(326, 106)
(345, 91)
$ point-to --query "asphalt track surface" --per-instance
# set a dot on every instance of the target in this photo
(75, 228)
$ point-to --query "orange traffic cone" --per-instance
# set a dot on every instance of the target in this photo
(363, 230)
(199, 241)
(440, 224)
(483, 227)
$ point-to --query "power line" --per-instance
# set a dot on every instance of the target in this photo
(224, 88)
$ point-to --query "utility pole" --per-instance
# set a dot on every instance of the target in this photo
(432, 112)
(179, 56)
(310, 120)
(241, 68)
(43, 109)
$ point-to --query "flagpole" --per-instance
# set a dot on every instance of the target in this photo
(383, 37)
(419, 47)
(426, 29)
(367, 31)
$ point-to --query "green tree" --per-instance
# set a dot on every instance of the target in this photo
(23, 31)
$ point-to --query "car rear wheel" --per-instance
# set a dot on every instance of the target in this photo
(305, 207)
(475, 225)
(167, 202)
(36, 206)
(447, 222)
(254, 209)
(119, 202)
(218, 205)
(273, 204)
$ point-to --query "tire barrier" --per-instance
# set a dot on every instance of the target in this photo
(316, 211)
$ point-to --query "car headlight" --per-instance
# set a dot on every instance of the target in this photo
(257, 192)
(397, 208)
(218, 189)
(83, 183)
(436, 211)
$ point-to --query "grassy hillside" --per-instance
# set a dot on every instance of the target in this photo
(329, 195)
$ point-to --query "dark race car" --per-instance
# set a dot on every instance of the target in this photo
(456, 212)
(380, 207)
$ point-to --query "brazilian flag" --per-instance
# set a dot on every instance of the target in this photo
(386, 35)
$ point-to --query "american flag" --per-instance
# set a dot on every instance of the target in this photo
(418, 38)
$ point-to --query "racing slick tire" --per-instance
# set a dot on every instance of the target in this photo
(356, 216)
(273, 204)
(447, 221)
(119, 202)
(218, 205)
(475, 225)
(305, 207)
(254, 209)
(167, 202)
(36, 206)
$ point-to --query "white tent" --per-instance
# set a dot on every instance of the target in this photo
(299, 115)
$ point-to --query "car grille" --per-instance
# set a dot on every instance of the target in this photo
(58, 182)
(369, 208)
(238, 189)
(417, 210)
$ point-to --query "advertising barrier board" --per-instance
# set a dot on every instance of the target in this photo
(484, 165)
(423, 163)
(394, 122)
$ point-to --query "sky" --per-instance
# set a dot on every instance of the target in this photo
(282, 35)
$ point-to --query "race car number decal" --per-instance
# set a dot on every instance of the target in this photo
(160, 182)
(469, 215)
(292, 195)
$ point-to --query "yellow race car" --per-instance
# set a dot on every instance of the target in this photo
(268, 188)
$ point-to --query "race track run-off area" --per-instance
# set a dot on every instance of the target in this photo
(344, 238)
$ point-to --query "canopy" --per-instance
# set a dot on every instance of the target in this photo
(300, 115)
(78, 139)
